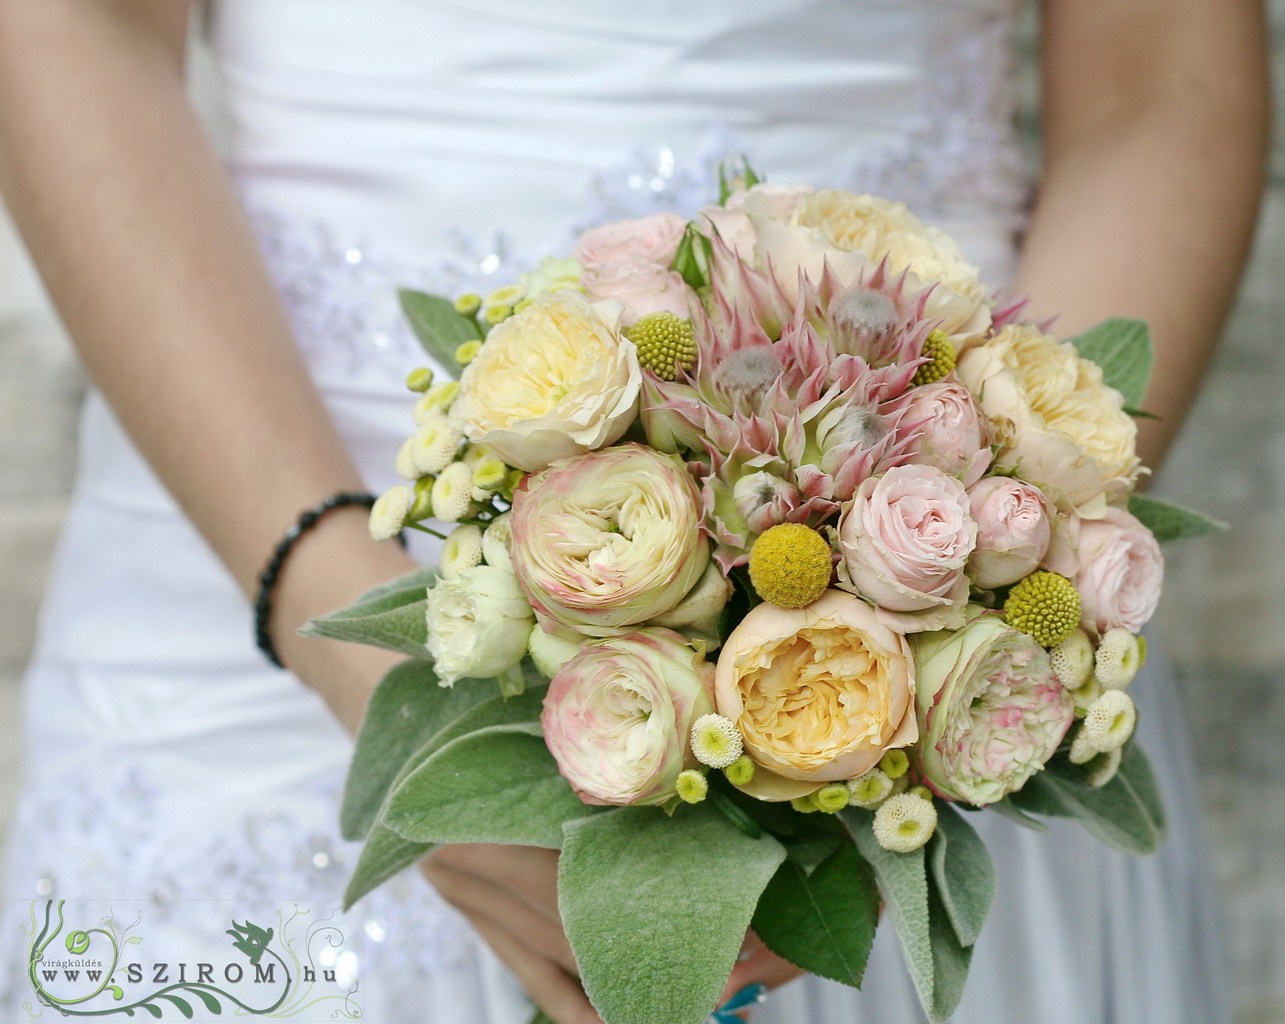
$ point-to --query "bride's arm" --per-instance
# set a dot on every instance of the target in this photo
(141, 243)
(1155, 128)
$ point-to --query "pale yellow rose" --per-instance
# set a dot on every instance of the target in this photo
(819, 693)
(555, 380)
(853, 233)
(1061, 426)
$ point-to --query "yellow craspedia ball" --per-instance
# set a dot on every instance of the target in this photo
(665, 342)
(938, 348)
(790, 565)
(1045, 605)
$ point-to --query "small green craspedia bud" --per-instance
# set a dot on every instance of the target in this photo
(437, 399)
(1045, 605)
(870, 790)
(741, 771)
(805, 804)
(420, 379)
(894, 764)
(468, 305)
(923, 792)
(790, 565)
(490, 475)
(692, 786)
(422, 502)
(496, 314)
(937, 347)
(665, 342)
(831, 799)
(467, 352)
(505, 295)
(1142, 650)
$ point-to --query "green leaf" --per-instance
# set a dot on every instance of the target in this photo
(951, 960)
(439, 328)
(656, 910)
(962, 872)
(211, 1004)
(1123, 349)
(154, 1010)
(1126, 813)
(407, 709)
(825, 921)
(384, 855)
(184, 1007)
(903, 882)
(495, 785)
(390, 616)
(1169, 521)
(541, 1017)
(402, 590)
(1006, 809)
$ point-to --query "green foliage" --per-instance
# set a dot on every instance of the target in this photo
(1123, 349)
(495, 785)
(823, 920)
(390, 616)
(963, 873)
(1126, 813)
(656, 910)
(1169, 521)
(384, 854)
(438, 326)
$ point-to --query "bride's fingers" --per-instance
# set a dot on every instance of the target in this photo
(556, 992)
(530, 872)
(760, 967)
(477, 897)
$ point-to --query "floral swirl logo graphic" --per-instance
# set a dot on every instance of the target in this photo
(91, 981)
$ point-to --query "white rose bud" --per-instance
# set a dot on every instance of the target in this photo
(478, 624)
(550, 651)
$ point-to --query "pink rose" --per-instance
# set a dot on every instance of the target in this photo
(1014, 526)
(731, 221)
(641, 287)
(1120, 573)
(953, 434)
(651, 239)
(905, 539)
(618, 715)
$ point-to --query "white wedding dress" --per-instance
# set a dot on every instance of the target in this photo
(445, 144)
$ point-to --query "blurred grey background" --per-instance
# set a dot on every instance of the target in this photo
(1222, 618)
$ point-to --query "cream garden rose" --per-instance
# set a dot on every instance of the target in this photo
(818, 693)
(1061, 426)
(618, 716)
(608, 540)
(555, 380)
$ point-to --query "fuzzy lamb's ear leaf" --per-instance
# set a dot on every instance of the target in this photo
(406, 709)
(384, 855)
(656, 909)
(1123, 349)
(440, 328)
(824, 921)
(1169, 521)
(390, 616)
(963, 873)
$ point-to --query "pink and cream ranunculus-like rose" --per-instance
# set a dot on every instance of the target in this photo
(1060, 425)
(555, 380)
(618, 716)
(990, 710)
(1014, 526)
(651, 239)
(819, 693)
(953, 435)
(905, 539)
(608, 540)
(1120, 573)
(640, 287)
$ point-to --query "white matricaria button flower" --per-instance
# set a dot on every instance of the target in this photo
(1072, 660)
(870, 790)
(715, 741)
(435, 445)
(1118, 659)
(905, 822)
(388, 514)
(462, 550)
(1102, 769)
(453, 492)
(1082, 749)
(406, 468)
(1085, 695)
(1110, 720)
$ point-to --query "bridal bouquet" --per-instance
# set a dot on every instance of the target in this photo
(790, 549)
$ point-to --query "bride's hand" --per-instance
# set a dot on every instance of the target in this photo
(509, 893)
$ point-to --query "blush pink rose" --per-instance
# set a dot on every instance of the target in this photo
(953, 435)
(651, 239)
(640, 287)
(1120, 573)
(1014, 527)
(905, 539)
(618, 716)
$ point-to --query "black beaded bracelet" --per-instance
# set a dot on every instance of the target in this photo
(272, 571)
